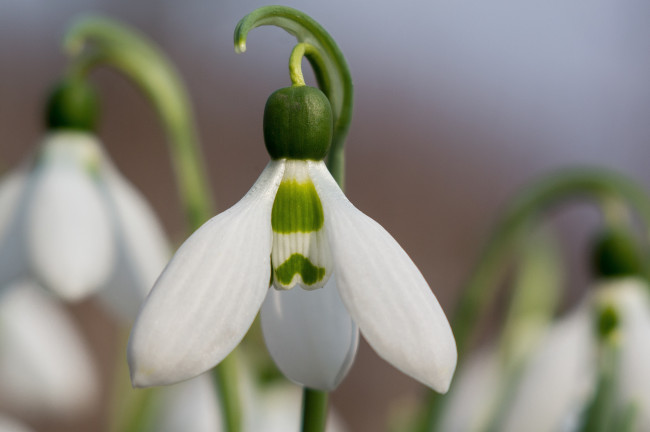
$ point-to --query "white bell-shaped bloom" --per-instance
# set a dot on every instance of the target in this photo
(45, 367)
(69, 219)
(294, 227)
(561, 375)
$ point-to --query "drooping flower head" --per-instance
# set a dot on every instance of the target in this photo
(69, 219)
(330, 268)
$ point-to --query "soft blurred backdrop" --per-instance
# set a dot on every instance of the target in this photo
(457, 106)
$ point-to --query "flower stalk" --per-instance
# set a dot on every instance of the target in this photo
(314, 410)
(330, 68)
(96, 41)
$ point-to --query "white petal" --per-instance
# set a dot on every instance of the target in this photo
(142, 247)
(210, 292)
(45, 367)
(384, 291)
(13, 259)
(190, 406)
(310, 335)
(559, 378)
(70, 237)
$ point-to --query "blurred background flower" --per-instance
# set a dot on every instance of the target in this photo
(46, 369)
(457, 103)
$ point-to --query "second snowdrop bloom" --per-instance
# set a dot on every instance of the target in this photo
(330, 267)
(46, 369)
(562, 376)
(69, 219)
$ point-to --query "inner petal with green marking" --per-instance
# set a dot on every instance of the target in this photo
(300, 253)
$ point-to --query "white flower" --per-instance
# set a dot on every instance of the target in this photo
(45, 367)
(296, 222)
(69, 219)
(561, 376)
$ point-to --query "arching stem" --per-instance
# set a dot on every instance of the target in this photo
(97, 41)
(329, 66)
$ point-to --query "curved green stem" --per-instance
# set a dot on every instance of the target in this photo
(97, 41)
(314, 410)
(295, 62)
(590, 183)
(330, 68)
(112, 44)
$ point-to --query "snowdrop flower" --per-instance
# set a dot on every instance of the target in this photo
(45, 367)
(330, 266)
(73, 222)
(555, 386)
(561, 376)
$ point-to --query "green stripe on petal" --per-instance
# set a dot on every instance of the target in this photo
(298, 264)
(297, 208)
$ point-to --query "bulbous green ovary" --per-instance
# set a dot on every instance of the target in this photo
(299, 242)
(298, 124)
(73, 105)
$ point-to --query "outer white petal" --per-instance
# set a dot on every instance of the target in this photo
(13, 260)
(142, 247)
(468, 404)
(630, 296)
(559, 378)
(190, 406)
(210, 292)
(69, 232)
(310, 335)
(384, 291)
(45, 367)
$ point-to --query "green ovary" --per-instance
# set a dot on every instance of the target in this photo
(297, 208)
(298, 264)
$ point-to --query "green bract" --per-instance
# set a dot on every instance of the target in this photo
(72, 105)
(298, 124)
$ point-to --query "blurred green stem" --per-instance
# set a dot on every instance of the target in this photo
(96, 41)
